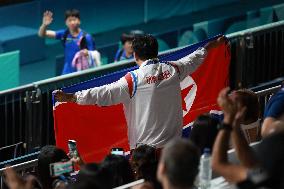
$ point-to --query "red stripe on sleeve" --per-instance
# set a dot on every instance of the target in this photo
(130, 83)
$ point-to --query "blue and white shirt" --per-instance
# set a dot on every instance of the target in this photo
(71, 47)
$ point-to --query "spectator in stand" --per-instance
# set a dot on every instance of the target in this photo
(274, 112)
(144, 161)
(120, 168)
(73, 38)
(250, 124)
(178, 166)
(126, 52)
(204, 131)
(257, 170)
(49, 154)
(93, 176)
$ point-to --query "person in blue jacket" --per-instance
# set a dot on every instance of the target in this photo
(73, 37)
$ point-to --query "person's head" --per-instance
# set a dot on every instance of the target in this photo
(126, 40)
(179, 163)
(72, 19)
(204, 131)
(248, 99)
(49, 154)
(93, 175)
(120, 168)
(145, 47)
(144, 162)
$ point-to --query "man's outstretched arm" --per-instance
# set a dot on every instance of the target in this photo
(190, 63)
(105, 95)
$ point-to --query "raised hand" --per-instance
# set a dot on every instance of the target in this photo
(215, 43)
(47, 18)
(14, 181)
(227, 105)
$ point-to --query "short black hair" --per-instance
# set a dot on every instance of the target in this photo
(49, 154)
(120, 168)
(145, 47)
(181, 159)
(72, 13)
(95, 176)
(129, 36)
(144, 161)
(204, 131)
(126, 37)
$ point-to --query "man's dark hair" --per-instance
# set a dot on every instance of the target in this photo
(145, 47)
(129, 36)
(249, 99)
(49, 154)
(181, 159)
(144, 162)
(120, 168)
(94, 176)
(204, 131)
(126, 37)
(72, 13)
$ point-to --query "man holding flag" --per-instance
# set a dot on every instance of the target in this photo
(151, 95)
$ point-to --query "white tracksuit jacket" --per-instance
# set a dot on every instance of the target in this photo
(151, 96)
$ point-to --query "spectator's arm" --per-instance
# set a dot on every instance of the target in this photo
(243, 150)
(46, 20)
(232, 173)
(220, 164)
(14, 181)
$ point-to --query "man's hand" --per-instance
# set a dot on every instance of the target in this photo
(215, 43)
(78, 161)
(227, 105)
(64, 97)
(47, 18)
(14, 181)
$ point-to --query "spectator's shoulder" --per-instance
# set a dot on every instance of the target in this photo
(60, 33)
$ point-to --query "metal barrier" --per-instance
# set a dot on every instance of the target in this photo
(257, 55)
(26, 112)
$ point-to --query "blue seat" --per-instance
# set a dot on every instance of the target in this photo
(279, 11)
(25, 39)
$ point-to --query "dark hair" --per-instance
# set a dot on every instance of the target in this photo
(94, 176)
(144, 162)
(49, 154)
(126, 37)
(249, 99)
(129, 36)
(145, 47)
(72, 13)
(120, 168)
(181, 159)
(204, 131)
